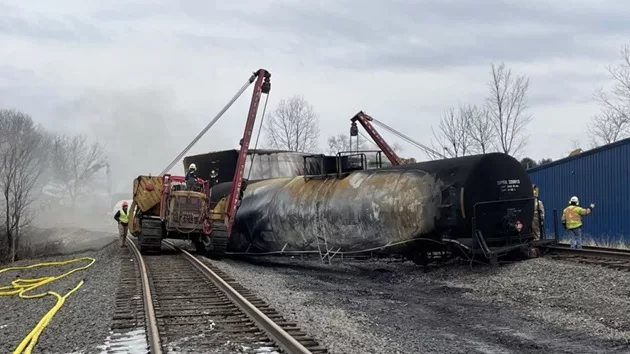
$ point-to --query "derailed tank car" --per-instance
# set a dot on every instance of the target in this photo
(478, 205)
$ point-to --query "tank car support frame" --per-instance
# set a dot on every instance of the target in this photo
(324, 257)
(489, 254)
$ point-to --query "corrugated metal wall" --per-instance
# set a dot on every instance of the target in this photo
(600, 176)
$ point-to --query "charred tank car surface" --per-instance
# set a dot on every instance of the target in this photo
(219, 166)
(480, 204)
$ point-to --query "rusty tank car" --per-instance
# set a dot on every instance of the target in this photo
(479, 205)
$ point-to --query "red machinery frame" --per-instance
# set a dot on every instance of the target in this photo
(365, 121)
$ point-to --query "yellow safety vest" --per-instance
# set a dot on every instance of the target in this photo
(124, 217)
(573, 216)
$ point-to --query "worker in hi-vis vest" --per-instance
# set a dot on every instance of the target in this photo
(122, 217)
(572, 220)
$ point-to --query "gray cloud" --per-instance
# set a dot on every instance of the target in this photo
(342, 35)
(37, 26)
(23, 90)
(354, 35)
(139, 129)
(130, 11)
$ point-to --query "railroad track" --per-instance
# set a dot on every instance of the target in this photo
(188, 306)
(606, 257)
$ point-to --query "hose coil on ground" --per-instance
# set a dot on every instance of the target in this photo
(22, 286)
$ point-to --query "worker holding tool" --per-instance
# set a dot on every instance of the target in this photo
(539, 214)
(572, 220)
(122, 217)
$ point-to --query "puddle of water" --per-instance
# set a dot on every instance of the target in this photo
(265, 349)
(131, 342)
(269, 350)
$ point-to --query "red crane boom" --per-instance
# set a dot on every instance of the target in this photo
(263, 85)
(365, 121)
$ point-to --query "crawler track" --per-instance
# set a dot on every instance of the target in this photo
(192, 307)
(606, 257)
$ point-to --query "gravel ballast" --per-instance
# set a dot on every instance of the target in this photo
(83, 321)
(535, 306)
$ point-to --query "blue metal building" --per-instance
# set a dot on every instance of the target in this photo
(600, 176)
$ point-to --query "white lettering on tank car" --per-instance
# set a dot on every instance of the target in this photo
(508, 185)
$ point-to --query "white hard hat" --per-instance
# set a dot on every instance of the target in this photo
(192, 166)
(574, 199)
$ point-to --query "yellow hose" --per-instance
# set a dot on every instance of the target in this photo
(22, 286)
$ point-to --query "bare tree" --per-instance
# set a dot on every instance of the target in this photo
(75, 162)
(293, 126)
(454, 136)
(342, 142)
(613, 123)
(482, 132)
(506, 106)
(575, 144)
(22, 161)
(608, 127)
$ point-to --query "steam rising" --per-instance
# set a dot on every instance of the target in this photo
(140, 131)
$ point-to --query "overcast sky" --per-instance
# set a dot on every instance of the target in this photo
(114, 68)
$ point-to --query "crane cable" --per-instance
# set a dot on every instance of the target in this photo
(21, 286)
(216, 118)
(262, 119)
(408, 139)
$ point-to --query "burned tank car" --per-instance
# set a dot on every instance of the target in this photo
(434, 204)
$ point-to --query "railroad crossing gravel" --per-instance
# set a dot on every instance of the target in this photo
(83, 321)
(535, 306)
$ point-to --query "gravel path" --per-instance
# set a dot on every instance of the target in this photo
(83, 321)
(536, 306)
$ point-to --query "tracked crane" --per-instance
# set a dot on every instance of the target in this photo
(168, 206)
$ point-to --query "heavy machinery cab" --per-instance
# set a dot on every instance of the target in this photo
(169, 207)
(185, 204)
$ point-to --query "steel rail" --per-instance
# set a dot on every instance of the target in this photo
(600, 252)
(279, 335)
(153, 335)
